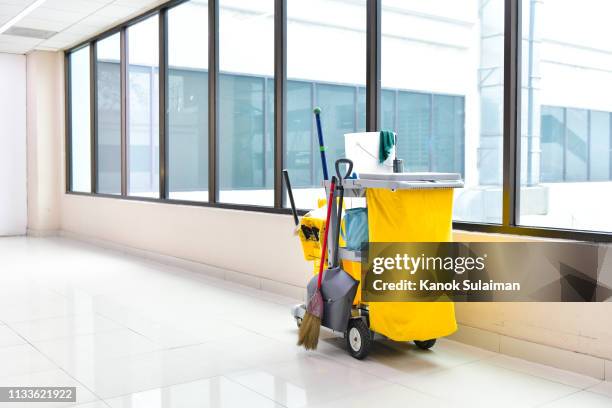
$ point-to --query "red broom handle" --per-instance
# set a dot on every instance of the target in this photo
(332, 187)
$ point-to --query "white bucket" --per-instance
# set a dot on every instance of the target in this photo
(363, 149)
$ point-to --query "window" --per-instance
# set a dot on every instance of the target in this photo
(442, 92)
(566, 180)
(143, 108)
(108, 103)
(442, 71)
(187, 140)
(326, 67)
(246, 147)
(80, 130)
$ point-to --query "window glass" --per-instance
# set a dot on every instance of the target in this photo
(447, 134)
(143, 108)
(553, 142)
(565, 151)
(109, 114)
(599, 147)
(326, 67)
(245, 155)
(80, 131)
(187, 139)
(299, 146)
(444, 59)
(576, 144)
(414, 124)
(389, 115)
(338, 117)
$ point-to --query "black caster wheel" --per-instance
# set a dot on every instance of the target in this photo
(425, 344)
(358, 338)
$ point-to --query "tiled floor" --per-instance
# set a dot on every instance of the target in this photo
(129, 333)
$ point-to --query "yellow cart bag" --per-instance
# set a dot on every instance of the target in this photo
(353, 268)
(423, 215)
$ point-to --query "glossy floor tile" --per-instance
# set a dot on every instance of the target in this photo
(485, 385)
(581, 399)
(69, 352)
(61, 327)
(95, 404)
(8, 337)
(22, 359)
(603, 388)
(129, 374)
(306, 381)
(386, 396)
(132, 333)
(545, 372)
(208, 393)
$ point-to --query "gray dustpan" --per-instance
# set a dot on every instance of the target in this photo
(338, 288)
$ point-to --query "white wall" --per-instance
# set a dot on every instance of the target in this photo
(45, 129)
(13, 209)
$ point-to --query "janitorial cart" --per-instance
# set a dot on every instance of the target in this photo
(400, 207)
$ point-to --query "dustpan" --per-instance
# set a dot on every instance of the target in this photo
(338, 288)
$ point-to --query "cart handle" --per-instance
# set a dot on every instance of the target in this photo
(291, 200)
(349, 165)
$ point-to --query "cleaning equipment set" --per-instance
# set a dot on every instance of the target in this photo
(400, 207)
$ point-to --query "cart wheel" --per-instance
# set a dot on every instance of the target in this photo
(358, 338)
(298, 321)
(425, 344)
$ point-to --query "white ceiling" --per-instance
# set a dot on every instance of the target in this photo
(74, 21)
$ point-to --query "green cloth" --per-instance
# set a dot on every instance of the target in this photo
(387, 141)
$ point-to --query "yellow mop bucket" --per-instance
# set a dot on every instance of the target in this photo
(417, 215)
(310, 231)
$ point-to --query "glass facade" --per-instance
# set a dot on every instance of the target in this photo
(442, 92)
(80, 126)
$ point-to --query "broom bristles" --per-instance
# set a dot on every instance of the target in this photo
(308, 335)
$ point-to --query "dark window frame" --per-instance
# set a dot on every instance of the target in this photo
(511, 121)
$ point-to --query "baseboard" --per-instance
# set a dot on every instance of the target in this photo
(595, 367)
(473, 336)
(36, 233)
(591, 366)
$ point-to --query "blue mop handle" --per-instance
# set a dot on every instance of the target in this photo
(317, 113)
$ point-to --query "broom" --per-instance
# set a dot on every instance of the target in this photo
(308, 335)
